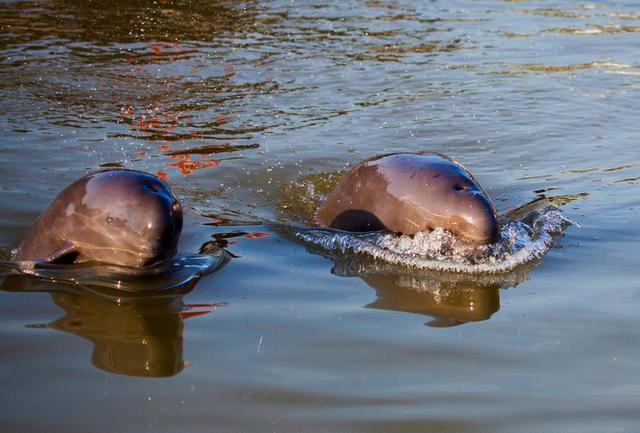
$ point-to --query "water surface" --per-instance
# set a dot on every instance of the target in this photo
(238, 105)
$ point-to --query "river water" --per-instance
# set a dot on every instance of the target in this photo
(250, 111)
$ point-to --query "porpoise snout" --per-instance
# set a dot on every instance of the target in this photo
(163, 224)
(481, 218)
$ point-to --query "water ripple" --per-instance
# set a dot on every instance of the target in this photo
(166, 276)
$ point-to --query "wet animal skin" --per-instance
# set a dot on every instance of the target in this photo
(122, 217)
(408, 193)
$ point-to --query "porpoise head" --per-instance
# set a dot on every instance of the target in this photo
(134, 217)
(446, 193)
(122, 217)
(408, 193)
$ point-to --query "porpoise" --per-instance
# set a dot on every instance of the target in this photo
(122, 217)
(408, 193)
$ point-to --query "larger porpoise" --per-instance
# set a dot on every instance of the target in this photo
(408, 193)
(122, 217)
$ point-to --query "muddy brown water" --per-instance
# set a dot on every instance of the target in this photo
(238, 105)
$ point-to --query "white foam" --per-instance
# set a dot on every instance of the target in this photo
(439, 250)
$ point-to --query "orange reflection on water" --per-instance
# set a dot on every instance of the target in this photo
(256, 235)
(162, 175)
(188, 165)
(220, 120)
(155, 122)
(151, 120)
(158, 46)
(192, 310)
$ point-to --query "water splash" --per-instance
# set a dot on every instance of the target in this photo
(521, 241)
(163, 277)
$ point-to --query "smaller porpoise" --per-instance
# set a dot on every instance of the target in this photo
(408, 193)
(121, 217)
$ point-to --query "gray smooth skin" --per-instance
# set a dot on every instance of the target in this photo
(408, 193)
(122, 217)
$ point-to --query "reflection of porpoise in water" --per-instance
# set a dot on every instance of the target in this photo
(131, 335)
(122, 217)
(408, 193)
(451, 299)
(450, 303)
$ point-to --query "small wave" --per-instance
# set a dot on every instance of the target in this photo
(166, 276)
(520, 242)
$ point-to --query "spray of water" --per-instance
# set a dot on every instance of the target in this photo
(519, 243)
